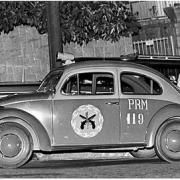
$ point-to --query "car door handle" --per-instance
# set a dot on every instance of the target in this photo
(112, 103)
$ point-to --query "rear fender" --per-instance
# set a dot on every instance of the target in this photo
(39, 134)
(166, 113)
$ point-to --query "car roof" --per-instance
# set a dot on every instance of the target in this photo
(109, 63)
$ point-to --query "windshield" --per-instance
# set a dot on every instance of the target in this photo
(51, 80)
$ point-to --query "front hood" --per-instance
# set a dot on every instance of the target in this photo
(24, 97)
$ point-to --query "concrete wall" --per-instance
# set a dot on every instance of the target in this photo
(101, 48)
(24, 53)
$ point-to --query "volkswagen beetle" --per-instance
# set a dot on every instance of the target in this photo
(94, 106)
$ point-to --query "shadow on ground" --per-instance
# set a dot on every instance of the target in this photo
(89, 163)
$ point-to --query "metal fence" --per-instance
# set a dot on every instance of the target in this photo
(158, 46)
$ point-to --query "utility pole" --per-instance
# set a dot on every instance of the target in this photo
(54, 32)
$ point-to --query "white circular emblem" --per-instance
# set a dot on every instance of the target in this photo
(87, 121)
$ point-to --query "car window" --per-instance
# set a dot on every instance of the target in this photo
(85, 83)
(70, 87)
(139, 84)
(51, 80)
(89, 84)
(104, 85)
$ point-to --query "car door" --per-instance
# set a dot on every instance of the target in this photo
(86, 108)
(141, 96)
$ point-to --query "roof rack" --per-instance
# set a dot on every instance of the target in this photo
(67, 58)
(158, 57)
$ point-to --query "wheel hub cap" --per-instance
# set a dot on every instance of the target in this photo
(173, 141)
(10, 145)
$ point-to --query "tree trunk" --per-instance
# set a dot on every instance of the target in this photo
(54, 32)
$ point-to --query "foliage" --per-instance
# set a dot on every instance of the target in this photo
(81, 21)
(93, 20)
(17, 13)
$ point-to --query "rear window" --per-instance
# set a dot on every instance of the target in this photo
(132, 83)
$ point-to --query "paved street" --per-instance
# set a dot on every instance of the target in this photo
(102, 168)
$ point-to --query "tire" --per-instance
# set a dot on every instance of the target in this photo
(144, 153)
(167, 141)
(16, 145)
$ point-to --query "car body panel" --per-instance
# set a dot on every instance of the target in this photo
(135, 117)
(138, 110)
(65, 105)
(12, 114)
(68, 136)
(31, 105)
(97, 120)
(168, 112)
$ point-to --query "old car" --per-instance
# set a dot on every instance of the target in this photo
(10, 88)
(97, 106)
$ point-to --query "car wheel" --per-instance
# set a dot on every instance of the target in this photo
(16, 145)
(167, 141)
(144, 153)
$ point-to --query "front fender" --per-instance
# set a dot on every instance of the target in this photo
(43, 138)
(167, 112)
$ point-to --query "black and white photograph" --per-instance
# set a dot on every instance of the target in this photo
(89, 89)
